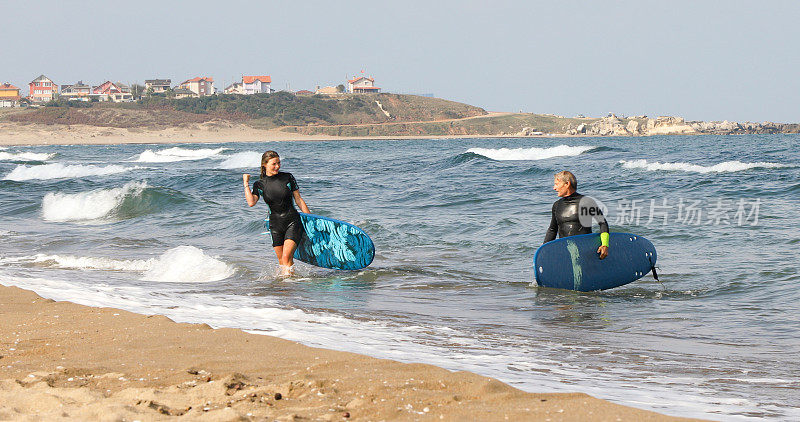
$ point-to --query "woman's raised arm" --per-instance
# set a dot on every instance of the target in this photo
(251, 199)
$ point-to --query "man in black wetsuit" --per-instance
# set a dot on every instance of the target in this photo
(573, 213)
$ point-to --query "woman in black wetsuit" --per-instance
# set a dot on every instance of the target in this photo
(278, 189)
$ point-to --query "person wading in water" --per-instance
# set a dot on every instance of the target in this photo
(278, 190)
(573, 213)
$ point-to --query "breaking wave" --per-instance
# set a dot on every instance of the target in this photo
(182, 264)
(91, 263)
(91, 205)
(727, 166)
(60, 171)
(242, 160)
(509, 154)
(170, 155)
(25, 156)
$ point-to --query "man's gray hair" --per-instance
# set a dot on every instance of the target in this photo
(567, 177)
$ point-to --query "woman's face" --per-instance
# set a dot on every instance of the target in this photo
(272, 166)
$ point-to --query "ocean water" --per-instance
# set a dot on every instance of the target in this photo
(456, 222)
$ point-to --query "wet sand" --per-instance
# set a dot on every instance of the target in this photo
(63, 361)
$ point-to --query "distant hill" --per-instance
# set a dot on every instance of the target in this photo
(362, 115)
(259, 110)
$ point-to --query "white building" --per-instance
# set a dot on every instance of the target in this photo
(362, 85)
(256, 85)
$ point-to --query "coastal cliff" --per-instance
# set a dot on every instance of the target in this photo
(347, 115)
(670, 125)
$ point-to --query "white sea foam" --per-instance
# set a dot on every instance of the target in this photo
(247, 159)
(173, 154)
(187, 264)
(509, 154)
(61, 171)
(91, 205)
(182, 264)
(25, 156)
(727, 166)
(92, 263)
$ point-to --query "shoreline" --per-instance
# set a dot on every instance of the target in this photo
(16, 134)
(64, 360)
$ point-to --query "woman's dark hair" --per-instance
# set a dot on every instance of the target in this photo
(265, 157)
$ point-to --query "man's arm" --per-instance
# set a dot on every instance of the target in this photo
(552, 231)
(604, 236)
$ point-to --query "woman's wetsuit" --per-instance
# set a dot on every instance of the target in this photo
(566, 217)
(284, 220)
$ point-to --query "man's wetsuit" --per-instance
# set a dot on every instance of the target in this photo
(566, 217)
(284, 220)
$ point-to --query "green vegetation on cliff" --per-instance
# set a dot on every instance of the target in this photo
(259, 110)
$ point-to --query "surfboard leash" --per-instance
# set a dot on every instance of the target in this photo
(655, 273)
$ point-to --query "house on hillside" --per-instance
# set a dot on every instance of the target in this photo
(234, 88)
(200, 86)
(251, 85)
(183, 93)
(327, 90)
(362, 85)
(42, 90)
(256, 85)
(77, 92)
(303, 92)
(112, 91)
(157, 86)
(9, 95)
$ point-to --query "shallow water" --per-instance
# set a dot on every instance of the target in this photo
(165, 229)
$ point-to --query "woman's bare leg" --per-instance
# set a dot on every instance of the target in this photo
(289, 246)
(285, 255)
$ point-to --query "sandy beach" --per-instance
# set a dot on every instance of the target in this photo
(214, 132)
(62, 361)
(38, 134)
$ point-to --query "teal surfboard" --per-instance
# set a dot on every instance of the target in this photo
(572, 262)
(331, 243)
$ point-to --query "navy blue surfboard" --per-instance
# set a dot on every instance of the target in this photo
(572, 262)
(334, 244)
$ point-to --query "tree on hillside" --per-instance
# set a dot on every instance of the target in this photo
(340, 88)
(136, 91)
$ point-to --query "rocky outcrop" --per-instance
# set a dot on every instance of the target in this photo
(529, 131)
(717, 127)
(727, 128)
(632, 127)
(668, 125)
(673, 125)
(607, 126)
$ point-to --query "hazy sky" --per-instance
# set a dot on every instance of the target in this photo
(703, 60)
